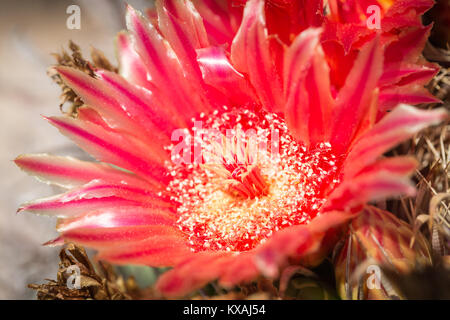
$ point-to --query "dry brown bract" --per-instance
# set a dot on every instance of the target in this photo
(75, 60)
(103, 284)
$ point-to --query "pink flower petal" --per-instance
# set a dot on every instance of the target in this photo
(368, 187)
(130, 65)
(100, 98)
(407, 74)
(330, 220)
(297, 58)
(346, 34)
(55, 207)
(180, 22)
(286, 18)
(144, 108)
(69, 172)
(241, 269)
(395, 127)
(99, 188)
(397, 165)
(122, 105)
(307, 89)
(88, 114)
(320, 99)
(355, 98)
(109, 238)
(158, 251)
(165, 68)
(408, 47)
(118, 217)
(251, 54)
(191, 273)
(419, 6)
(413, 94)
(220, 74)
(114, 148)
(293, 241)
(97, 195)
(220, 19)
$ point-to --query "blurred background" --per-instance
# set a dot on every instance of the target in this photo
(30, 30)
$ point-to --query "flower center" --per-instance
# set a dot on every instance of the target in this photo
(239, 176)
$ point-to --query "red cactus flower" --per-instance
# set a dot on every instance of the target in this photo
(348, 26)
(402, 33)
(230, 212)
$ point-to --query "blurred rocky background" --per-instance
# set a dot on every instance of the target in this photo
(30, 30)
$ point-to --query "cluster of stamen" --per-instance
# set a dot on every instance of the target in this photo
(243, 187)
